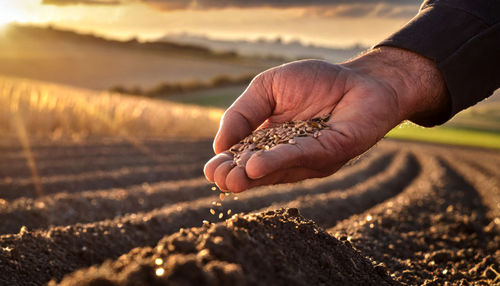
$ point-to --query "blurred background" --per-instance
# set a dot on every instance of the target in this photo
(152, 68)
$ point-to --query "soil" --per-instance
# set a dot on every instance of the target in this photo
(272, 248)
(404, 213)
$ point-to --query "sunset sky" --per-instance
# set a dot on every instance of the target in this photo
(323, 22)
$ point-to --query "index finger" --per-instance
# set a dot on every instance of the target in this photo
(247, 113)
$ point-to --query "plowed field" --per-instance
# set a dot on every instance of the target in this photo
(104, 212)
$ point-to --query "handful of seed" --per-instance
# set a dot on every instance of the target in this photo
(284, 133)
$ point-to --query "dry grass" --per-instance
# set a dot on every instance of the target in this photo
(47, 110)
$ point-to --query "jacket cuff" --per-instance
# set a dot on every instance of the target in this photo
(464, 47)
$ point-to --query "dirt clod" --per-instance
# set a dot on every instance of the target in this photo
(280, 248)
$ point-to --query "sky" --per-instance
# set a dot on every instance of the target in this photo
(322, 22)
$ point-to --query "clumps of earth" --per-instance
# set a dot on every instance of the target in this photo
(284, 133)
(271, 248)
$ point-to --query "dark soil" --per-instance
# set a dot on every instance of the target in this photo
(425, 214)
(273, 248)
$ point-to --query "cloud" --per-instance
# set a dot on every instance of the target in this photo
(324, 8)
(86, 2)
(356, 10)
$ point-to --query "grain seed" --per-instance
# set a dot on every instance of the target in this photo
(221, 215)
(212, 211)
(159, 271)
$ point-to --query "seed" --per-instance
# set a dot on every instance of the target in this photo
(212, 211)
(221, 196)
(221, 215)
(159, 271)
(218, 204)
(214, 203)
(291, 141)
(235, 198)
(214, 189)
(228, 212)
(206, 222)
(158, 261)
(266, 138)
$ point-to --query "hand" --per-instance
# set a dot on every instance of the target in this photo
(366, 98)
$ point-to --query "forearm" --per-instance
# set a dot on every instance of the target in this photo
(462, 38)
(416, 81)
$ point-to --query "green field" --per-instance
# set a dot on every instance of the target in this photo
(447, 135)
(221, 97)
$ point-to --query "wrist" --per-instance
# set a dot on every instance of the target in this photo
(416, 81)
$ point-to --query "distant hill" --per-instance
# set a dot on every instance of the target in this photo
(92, 62)
(268, 48)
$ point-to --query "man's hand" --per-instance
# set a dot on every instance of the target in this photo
(366, 98)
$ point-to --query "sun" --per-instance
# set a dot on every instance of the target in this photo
(19, 11)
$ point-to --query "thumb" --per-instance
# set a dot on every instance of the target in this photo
(247, 113)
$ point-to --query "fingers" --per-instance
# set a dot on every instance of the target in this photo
(309, 157)
(285, 156)
(237, 181)
(212, 164)
(221, 174)
(249, 111)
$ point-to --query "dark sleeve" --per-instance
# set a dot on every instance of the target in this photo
(463, 38)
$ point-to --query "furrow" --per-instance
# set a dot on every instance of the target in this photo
(65, 209)
(434, 231)
(118, 178)
(80, 245)
(114, 148)
(328, 208)
(487, 185)
(19, 170)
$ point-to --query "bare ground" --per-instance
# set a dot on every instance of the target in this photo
(404, 213)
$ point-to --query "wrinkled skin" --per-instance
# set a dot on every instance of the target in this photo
(363, 109)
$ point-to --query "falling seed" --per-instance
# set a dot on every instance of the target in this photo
(221, 215)
(212, 211)
(218, 204)
(158, 261)
(235, 198)
(221, 196)
(228, 212)
(214, 203)
(214, 189)
(160, 271)
(206, 222)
